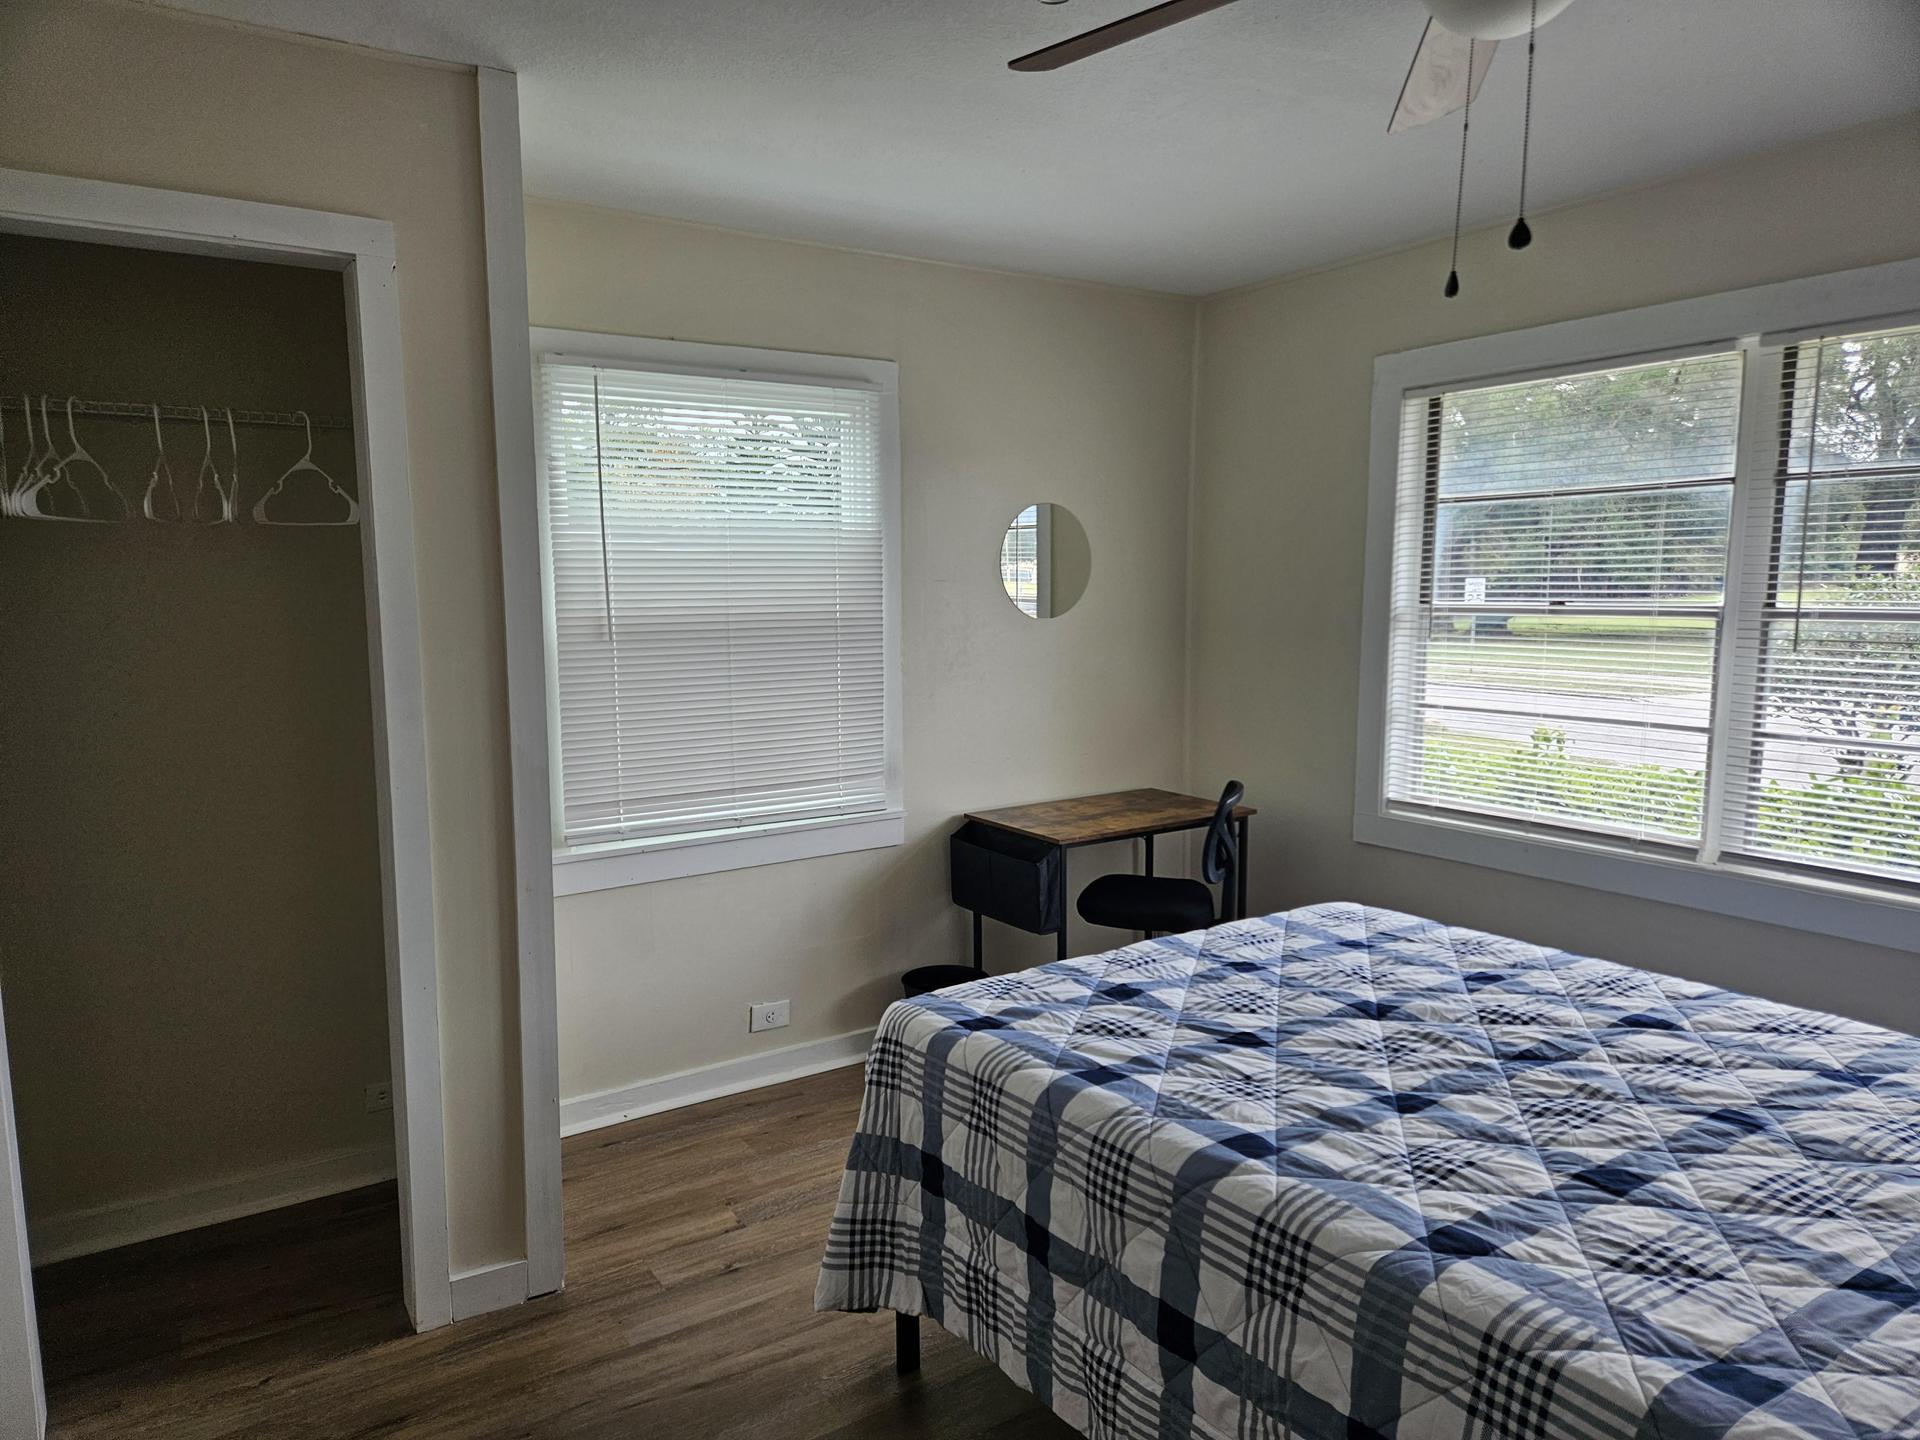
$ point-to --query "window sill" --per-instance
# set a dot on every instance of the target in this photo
(640, 862)
(1849, 911)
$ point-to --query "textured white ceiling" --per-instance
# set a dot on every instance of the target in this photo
(1243, 144)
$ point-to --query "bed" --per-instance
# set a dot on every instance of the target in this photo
(1344, 1172)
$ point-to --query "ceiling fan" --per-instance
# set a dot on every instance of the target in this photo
(1449, 65)
(1437, 83)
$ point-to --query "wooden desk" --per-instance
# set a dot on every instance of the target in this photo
(1122, 815)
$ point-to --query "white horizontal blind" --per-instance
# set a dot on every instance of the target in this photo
(1559, 578)
(1824, 759)
(717, 548)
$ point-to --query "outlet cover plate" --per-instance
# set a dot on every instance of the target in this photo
(768, 1015)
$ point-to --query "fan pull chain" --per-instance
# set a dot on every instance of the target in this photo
(1521, 235)
(1460, 194)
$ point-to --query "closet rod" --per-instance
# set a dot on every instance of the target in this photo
(129, 410)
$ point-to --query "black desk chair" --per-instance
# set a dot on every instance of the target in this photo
(1166, 904)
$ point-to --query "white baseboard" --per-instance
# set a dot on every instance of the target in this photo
(710, 1082)
(126, 1222)
(490, 1288)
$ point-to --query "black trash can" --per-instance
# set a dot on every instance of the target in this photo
(1006, 877)
(928, 978)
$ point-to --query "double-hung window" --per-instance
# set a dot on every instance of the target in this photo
(721, 534)
(1652, 622)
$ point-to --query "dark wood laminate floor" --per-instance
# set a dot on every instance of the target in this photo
(692, 1242)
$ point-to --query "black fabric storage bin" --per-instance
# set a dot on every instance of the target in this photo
(1007, 877)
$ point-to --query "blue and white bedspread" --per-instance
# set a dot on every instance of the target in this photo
(1342, 1172)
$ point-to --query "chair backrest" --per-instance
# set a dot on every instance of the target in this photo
(1220, 852)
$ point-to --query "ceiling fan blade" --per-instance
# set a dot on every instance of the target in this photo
(1437, 80)
(1116, 32)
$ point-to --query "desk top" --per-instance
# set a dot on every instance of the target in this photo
(1090, 819)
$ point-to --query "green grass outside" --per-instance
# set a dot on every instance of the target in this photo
(1542, 776)
(1673, 668)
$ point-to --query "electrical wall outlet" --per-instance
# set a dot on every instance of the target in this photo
(378, 1096)
(768, 1015)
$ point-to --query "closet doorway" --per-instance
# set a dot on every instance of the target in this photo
(221, 925)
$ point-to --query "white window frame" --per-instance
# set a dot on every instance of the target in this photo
(582, 868)
(1740, 319)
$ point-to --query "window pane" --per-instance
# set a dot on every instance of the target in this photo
(717, 553)
(1856, 811)
(1851, 541)
(1552, 668)
(1856, 403)
(1625, 779)
(1555, 661)
(1621, 548)
(1675, 420)
(1827, 766)
(1837, 770)
(1845, 679)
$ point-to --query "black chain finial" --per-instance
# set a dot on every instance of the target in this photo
(1460, 193)
(1521, 235)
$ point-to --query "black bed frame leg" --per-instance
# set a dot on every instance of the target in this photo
(906, 1343)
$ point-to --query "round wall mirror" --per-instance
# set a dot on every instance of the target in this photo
(1045, 561)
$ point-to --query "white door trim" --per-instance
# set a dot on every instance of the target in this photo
(363, 251)
(520, 575)
(23, 1399)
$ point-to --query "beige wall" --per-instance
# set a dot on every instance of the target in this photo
(1280, 511)
(190, 940)
(152, 97)
(1011, 390)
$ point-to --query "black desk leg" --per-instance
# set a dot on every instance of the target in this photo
(1061, 881)
(1241, 906)
(979, 961)
(1148, 868)
(906, 1343)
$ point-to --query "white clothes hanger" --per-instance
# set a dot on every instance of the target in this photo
(206, 471)
(24, 499)
(21, 499)
(162, 474)
(13, 486)
(6, 472)
(36, 473)
(13, 490)
(229, 493)
(224, 503)
(79, 455)
(44, 473)
(305, 466)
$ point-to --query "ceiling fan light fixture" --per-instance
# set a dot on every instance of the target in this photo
(1493, 19)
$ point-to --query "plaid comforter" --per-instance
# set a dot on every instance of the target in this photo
(1345, 1172)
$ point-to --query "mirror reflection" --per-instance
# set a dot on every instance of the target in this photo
(1045, 560)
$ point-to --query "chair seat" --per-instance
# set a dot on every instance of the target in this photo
(1164, 903)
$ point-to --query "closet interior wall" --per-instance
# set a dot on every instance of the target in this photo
(190, 924)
